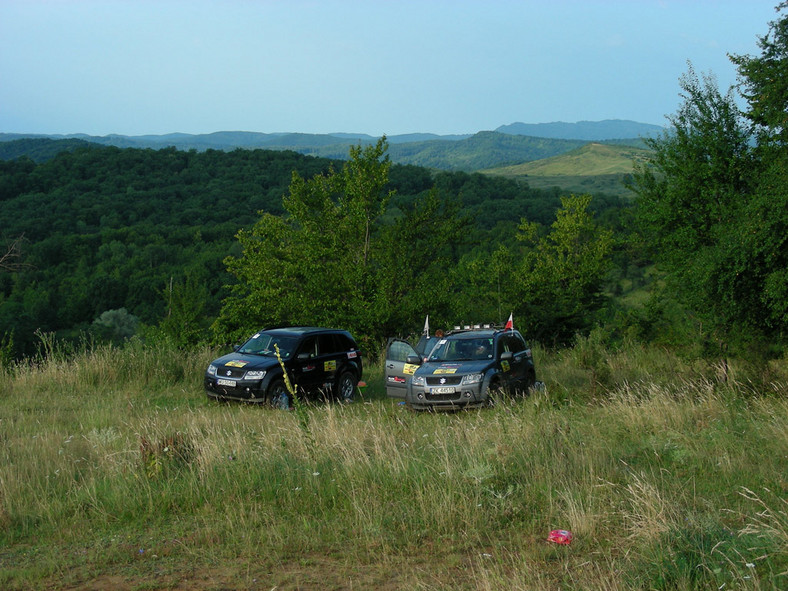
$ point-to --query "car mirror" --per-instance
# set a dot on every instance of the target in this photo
(303, 356)
(413, 360)
(506, 356)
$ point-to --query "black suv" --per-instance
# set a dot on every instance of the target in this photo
(319, 362)
(461, 369)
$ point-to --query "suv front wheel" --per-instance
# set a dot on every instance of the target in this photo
(495, 391)
(278, 396)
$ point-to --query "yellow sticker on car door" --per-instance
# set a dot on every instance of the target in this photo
(409, 369)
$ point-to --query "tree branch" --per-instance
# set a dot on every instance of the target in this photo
(11, 259)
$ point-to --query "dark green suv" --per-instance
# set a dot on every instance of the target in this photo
(461, 369)
(321, 362)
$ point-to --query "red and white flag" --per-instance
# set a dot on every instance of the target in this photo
(509, 323)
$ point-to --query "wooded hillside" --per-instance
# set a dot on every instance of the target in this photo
(106, 228)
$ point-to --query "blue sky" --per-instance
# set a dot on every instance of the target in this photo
(319, 66)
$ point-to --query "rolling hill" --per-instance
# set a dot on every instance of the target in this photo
(592, 168)
(482, 150)
(469, 152)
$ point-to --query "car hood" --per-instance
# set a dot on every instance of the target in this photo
(454, 367)
(245, 361)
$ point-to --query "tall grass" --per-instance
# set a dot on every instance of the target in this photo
(113, 463)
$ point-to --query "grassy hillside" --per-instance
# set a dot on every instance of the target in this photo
(591, 168)
(117, 472)
(483, 150)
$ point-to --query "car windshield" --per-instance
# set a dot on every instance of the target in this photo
(467, 349)
(265, 344)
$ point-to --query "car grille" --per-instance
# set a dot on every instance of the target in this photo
(444, 380)
(230, 372)
(444, 397)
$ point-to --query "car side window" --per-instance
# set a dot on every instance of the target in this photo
(309, 346)
(516, 343)
(399, 351)
(326, 344)
(343, 343)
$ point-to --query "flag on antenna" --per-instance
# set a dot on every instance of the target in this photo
(426, 330)
(509, 323)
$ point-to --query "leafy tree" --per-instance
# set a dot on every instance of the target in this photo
(560, 278)
(753, 266)
(485, 286)
(311, 266)
(713, 204)
(184, 322)
(414, 259)
(692, 190)
(698, 173)
(763, 84)
(117, 325)
(330, 261)
(762, 256)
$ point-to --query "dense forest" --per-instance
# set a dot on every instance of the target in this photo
(113, 243)
(105, 229)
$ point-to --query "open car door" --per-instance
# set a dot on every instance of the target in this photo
(398, 370)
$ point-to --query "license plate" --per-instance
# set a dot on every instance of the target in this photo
(443, 390)
(230, 383)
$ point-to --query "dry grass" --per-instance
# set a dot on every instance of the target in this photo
(667, 480)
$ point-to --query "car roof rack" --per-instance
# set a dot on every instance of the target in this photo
(472, 327)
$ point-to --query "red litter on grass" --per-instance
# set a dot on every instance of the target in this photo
(560, 536)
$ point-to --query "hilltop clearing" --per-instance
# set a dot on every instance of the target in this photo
(591, 168)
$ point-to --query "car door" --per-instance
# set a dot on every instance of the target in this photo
(515, 369)
(308, 371)
(330, 358)
(398, 370)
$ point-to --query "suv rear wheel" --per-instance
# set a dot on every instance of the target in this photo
(346, 387)
(530, 382)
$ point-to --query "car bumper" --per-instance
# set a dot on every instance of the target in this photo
(249, 390)
(425, 397)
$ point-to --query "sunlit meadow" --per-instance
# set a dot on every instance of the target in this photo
(117, 471)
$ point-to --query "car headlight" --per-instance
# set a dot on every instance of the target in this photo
(417, 380)
(254, 375)
(472, 378)
(211, 370)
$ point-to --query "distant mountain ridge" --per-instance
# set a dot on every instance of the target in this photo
(509, 144)
(592, 131)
